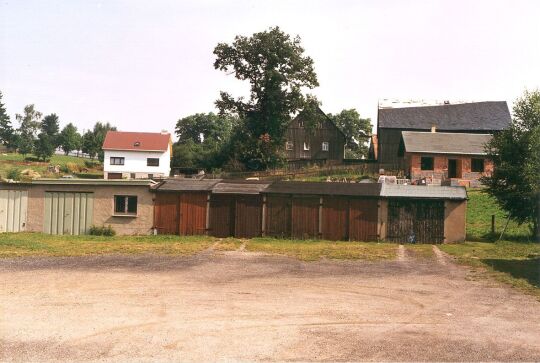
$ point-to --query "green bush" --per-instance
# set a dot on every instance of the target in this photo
(14, 174)
(102, 231)
(90, 164)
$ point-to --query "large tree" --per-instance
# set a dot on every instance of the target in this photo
(48, 138)
(92, 140)
(7, 134)
(29, 124)
(70, 139)
(357, 131)
(51, 127)
(515, 181)
(277, 70)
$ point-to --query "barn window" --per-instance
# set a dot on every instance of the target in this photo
(477, 165)
(306, 146)
(289, 145)
(117, 160)
(325, 146)
(300, 124)
(152, 162)
(125, 205)
(426, 163)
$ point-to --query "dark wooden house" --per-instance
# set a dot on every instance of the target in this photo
(319, 141)
(477, 117)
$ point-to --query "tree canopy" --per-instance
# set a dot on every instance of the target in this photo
(29, 124)
(7, 134)
(70, 139)
(92, 140)
(515, 181)
(357, 131)
(277, 70)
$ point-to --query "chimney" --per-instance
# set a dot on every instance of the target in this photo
(433, 128)
(164, 132)
(446, 102)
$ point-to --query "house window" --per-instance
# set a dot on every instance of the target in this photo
(300, 124)
(289, 145)
(117, 160)
(306, 146)
(426, 163)
(477, 165)
(125, 205)
(325, 146)
(152, 162)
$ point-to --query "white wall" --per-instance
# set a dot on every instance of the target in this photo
(135, 162)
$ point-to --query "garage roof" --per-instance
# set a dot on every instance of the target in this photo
(325, 188)
(423, 192)
(185, 185)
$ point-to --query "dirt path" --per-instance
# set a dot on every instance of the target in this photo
(243, 306)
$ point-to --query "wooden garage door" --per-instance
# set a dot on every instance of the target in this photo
(166, 213)
(13, 204)
(193, 213)
(335, 218)
(278, 216)
(248, 216)
(363, 219)
(68, 213)
(222, 215)
(418, 221)
(305, 217)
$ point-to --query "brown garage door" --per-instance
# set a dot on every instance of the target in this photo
(305, 217)
(248, 216)
(278, 216)
(114, 175)
(363, 219)
(222, 215)
(418, 221)
(193, 213)
(166, 213)
(335, 222)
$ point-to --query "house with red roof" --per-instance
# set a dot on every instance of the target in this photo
(137, 155)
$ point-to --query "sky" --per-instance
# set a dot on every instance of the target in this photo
(142, 65)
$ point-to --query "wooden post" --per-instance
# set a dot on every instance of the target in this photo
(207, 214)
(263, 218)
(493, 224)
(320, 216)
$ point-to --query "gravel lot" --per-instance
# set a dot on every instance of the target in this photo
(246, 306)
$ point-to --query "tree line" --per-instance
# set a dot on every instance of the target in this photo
(41, 135)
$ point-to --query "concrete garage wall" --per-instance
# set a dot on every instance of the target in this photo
(383, 219)
(454, 221)
(103, 213)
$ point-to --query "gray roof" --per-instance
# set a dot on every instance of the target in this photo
(180, 185)
(240, 187)
(481, 116)
(324, 188)
(423, 192)
(108, 182)
(444, 142)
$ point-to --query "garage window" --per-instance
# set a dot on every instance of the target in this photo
(477, 165)
(125, 205)
(426, 163)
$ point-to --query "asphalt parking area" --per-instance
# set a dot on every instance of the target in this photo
(247, 306)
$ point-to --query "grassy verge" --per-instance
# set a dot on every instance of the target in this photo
(37, 244)
(19, 162)
(515, 263)
(312, 250)
(420, 250)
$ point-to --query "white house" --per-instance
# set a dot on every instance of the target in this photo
(135, 155)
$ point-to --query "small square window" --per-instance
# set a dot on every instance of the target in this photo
(116, 160)
(426, 163)
(306, 146)
(289, 145)
(152, 162)
(477, 165)
(325, 146)
(125, 204)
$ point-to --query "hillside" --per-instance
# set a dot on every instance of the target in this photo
(12, 164)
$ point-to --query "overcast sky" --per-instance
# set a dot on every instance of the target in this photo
(142, 65)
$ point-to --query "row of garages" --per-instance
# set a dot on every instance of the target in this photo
(243, 209)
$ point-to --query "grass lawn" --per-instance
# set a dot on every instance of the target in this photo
(17, 161)
(38, 244)
(312, 250)
(515, 263)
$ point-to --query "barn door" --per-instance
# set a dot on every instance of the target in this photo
(166, 213)
(416, 221)
(13, 204)
(363, 215)
(193, 213)
(248, 216)
(278, 216)
(305, 217)
(68, 213)
(335, 221)
(222, 215)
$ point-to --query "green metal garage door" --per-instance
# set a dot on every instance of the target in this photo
(13, 205)
(68, 213)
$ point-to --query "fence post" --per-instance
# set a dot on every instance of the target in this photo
(493, 224)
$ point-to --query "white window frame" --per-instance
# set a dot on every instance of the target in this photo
(118, 160)
(325, 146)
(306, 146)
(289, 145)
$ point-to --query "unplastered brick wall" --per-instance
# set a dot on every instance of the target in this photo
(440, 166)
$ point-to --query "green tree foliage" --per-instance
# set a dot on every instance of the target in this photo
(277, 70)
(203, 140)
(70, 139)
(29, 124)
(7, 134)
(357, 131)
(88, 144)
(515, 181)
(50, 126)
(44, 146)
(92, 140)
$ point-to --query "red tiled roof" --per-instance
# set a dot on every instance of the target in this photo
(145, 141)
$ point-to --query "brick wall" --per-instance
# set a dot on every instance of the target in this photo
(440, 166)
